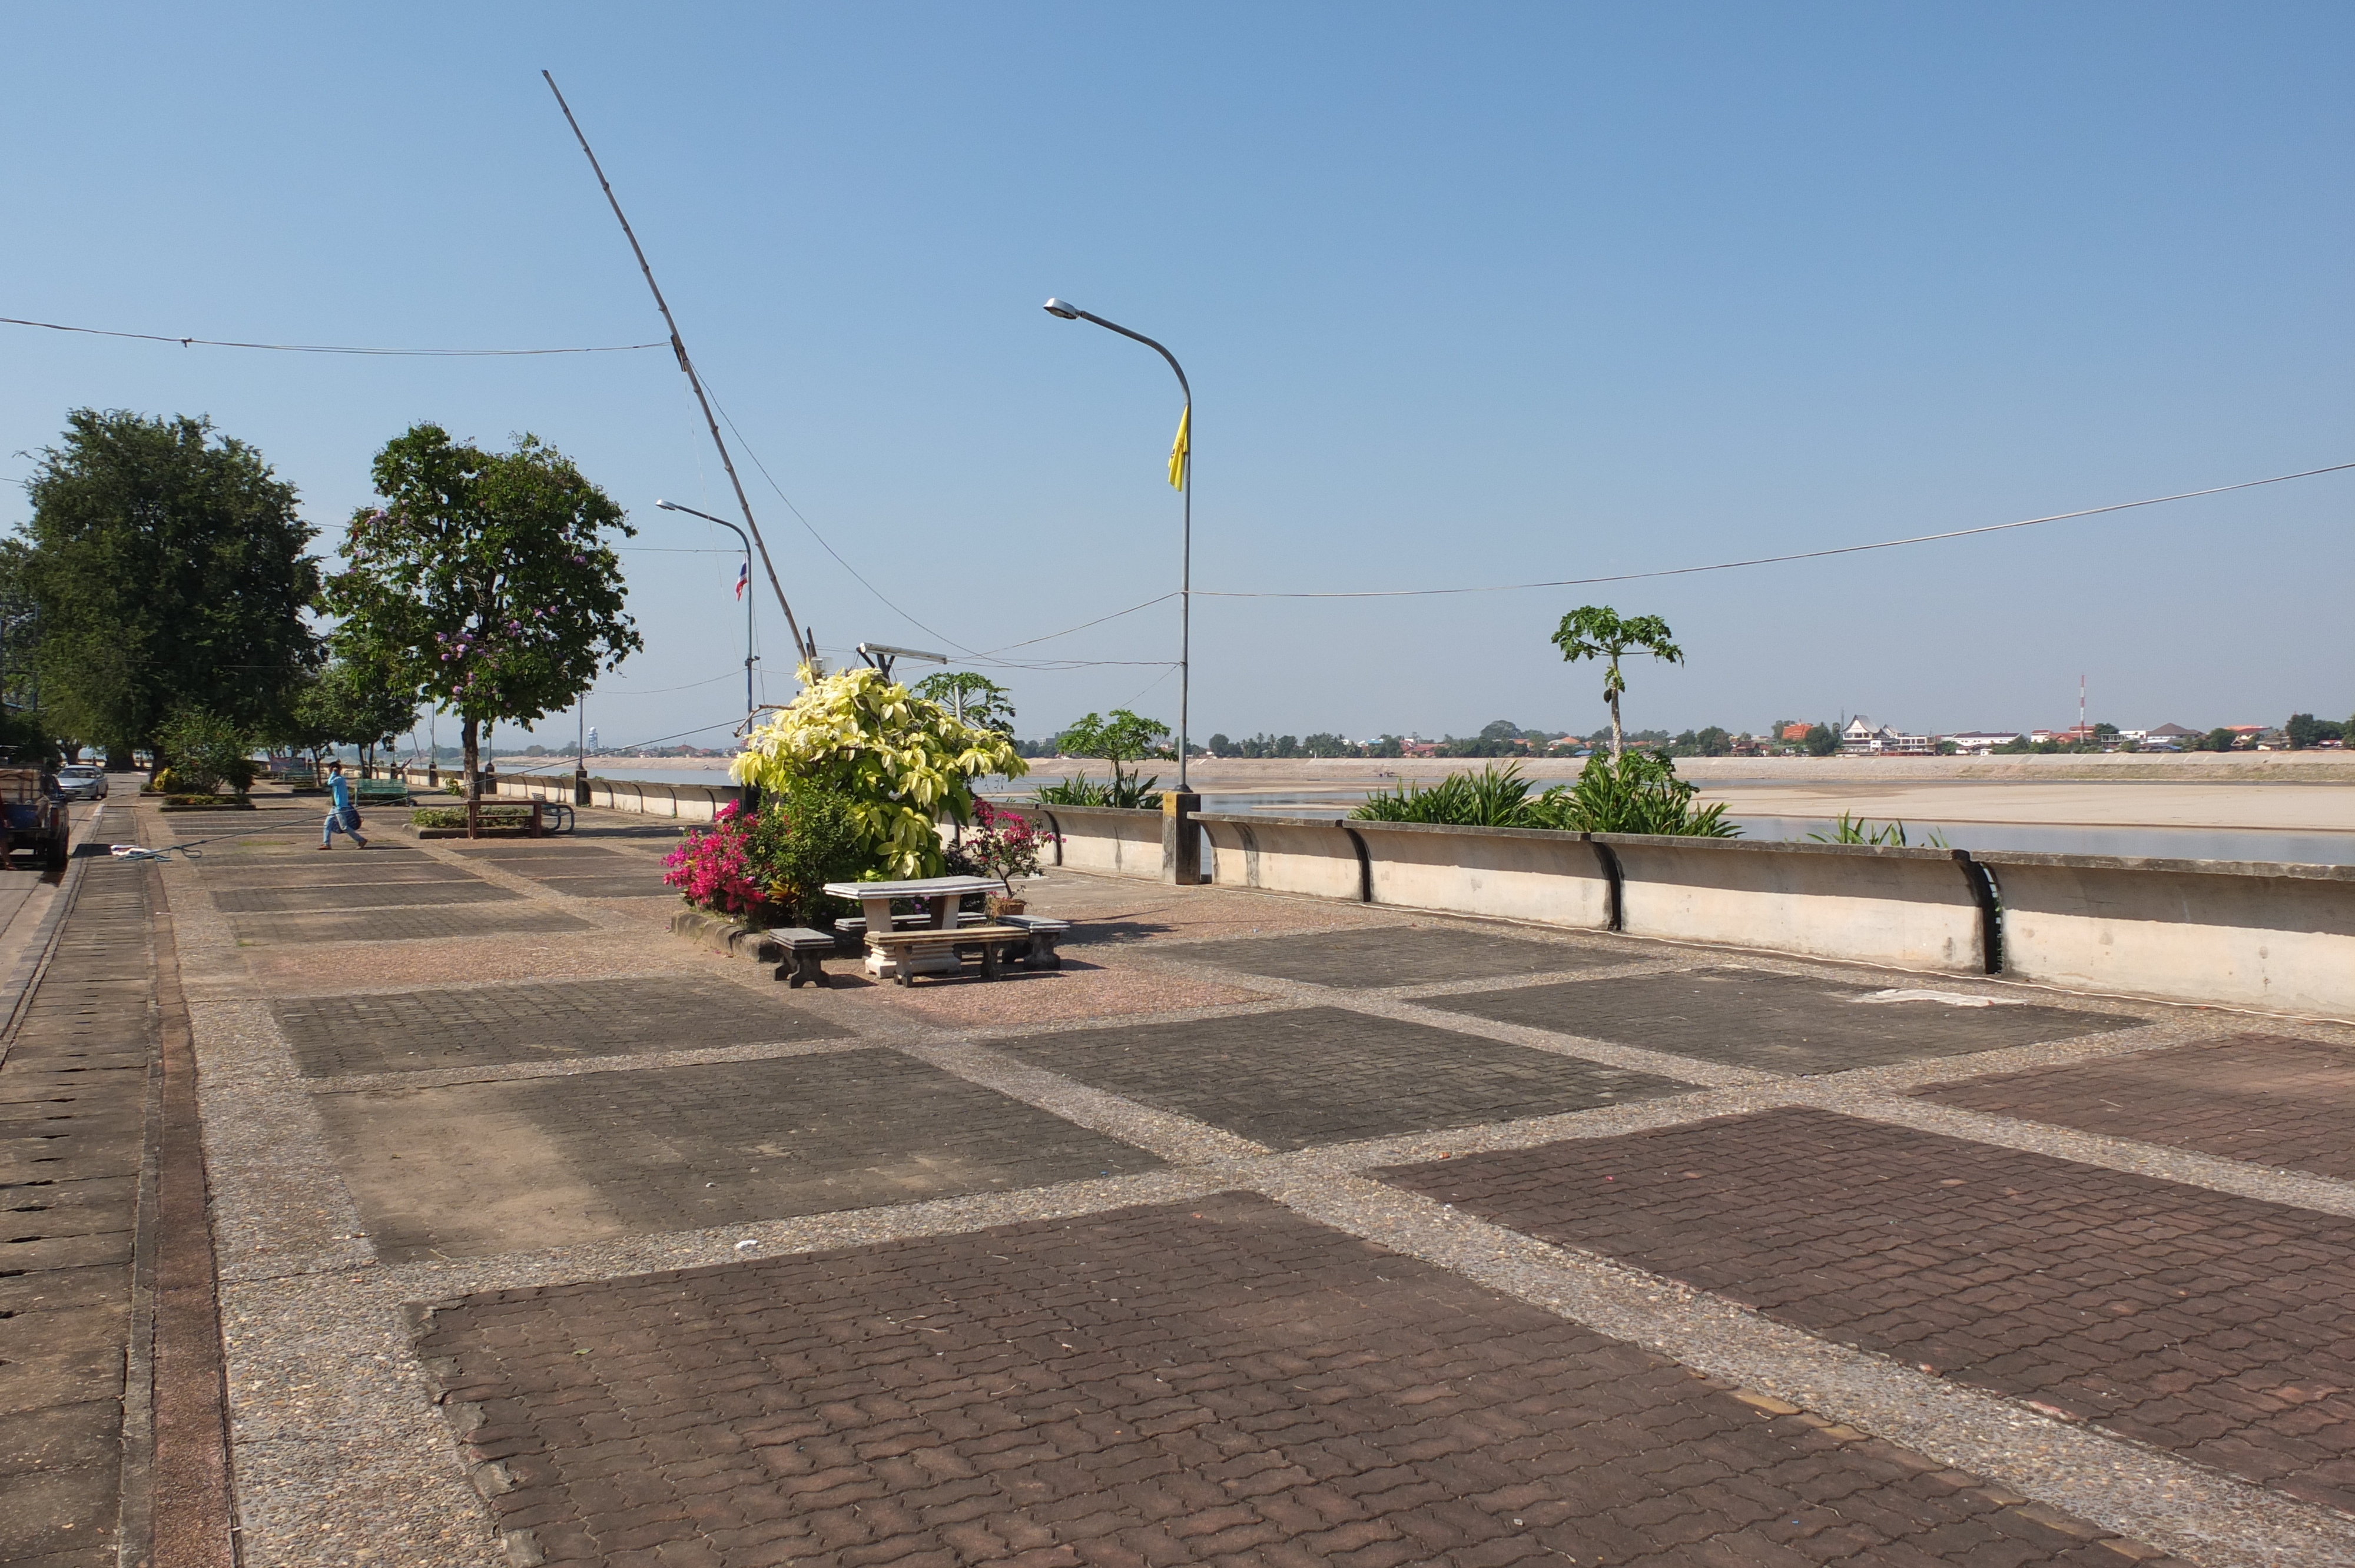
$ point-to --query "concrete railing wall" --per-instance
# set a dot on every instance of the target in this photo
(685, 802)
(2272, 937)
(1510, 873)
(1911, 907)
(2280, 938)
(1284, 855)
(1107, 840)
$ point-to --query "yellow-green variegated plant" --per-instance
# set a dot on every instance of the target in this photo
(898, 759)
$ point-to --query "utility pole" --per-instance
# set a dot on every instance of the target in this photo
(804, 647)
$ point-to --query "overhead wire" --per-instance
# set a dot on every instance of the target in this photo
(988, 658)
(1795, 556)
(331, 348)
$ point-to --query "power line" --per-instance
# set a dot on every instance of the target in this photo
(1082, 626)
(812, 528)
(1799, 556)
(988, 660)
(327, 348)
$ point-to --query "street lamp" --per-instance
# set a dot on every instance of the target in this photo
(744, 583)
(1184, 477)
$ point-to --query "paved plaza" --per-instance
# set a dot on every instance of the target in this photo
(513, 1230)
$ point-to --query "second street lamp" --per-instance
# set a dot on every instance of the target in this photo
(1181, 474)
(743, 590)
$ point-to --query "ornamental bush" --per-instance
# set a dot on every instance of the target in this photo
(714, 867)
(803, 841)
(1003, 844)
(896, 760)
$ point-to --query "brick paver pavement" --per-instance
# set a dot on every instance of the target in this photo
(1218, 1382)
(1321, 1075)
(1781, 1022)
(1398, 955)
(332, 870)
(646, 885)
(73, 1101)
(404, 924)
(679, 1148)
(2254, 1096)
(524, 852)
(2202, 1323)
(365, 896)
(489, 1025)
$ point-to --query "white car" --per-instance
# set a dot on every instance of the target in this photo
(82, 782)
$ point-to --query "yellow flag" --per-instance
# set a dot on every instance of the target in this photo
(1178, 451)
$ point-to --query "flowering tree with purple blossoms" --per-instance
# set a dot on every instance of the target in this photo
(484, 580)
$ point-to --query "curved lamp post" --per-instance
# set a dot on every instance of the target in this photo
(707, 517)
(1185, 476)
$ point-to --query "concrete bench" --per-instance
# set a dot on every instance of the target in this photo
(851, 931)
(1044, 935)
(802, 949)
(900, 947)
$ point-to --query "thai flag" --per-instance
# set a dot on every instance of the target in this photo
(744, 576)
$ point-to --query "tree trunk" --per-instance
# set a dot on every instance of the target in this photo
(1618, 740)
(470, 739)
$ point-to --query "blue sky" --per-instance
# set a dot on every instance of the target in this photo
(1469, 295)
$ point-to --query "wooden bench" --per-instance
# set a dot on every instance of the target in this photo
(900, 945)
(802, 949)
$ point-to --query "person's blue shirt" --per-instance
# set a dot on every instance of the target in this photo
(341, 790)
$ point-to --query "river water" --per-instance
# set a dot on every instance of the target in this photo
(2311, 848)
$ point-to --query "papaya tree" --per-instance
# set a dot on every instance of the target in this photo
(1598, 632)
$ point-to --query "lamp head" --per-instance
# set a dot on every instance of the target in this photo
(670, 506)
(1057, 308)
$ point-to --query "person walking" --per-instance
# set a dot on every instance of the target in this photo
(342, 815)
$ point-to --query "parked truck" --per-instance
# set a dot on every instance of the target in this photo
(36, 810)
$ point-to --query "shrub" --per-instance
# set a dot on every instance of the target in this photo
(1639, 794)
(450, 817)
(802, 840)
(1003, 844)
(1859, 831)
(898, 761)
(1492, 798)
(206, 751)
(1126, 791)
(713, 869)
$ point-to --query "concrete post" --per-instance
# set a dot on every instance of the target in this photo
(1181, 841)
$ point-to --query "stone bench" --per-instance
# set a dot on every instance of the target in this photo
(851, 934)
(1044, 935)
(802, 948)
(900, 947)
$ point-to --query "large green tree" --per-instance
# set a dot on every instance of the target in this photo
(354, 701)
(170, 570)
(484, 582)
(1599, 631)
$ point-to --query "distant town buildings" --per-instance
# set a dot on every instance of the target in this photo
(1863, 737)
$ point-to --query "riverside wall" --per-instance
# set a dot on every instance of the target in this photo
(685, 802)
(2270, 937)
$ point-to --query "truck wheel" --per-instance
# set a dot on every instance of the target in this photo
(55, 857)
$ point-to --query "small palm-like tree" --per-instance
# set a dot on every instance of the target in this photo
(1597, 632)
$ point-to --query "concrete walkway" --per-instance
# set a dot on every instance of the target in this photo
(1266, 1231)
